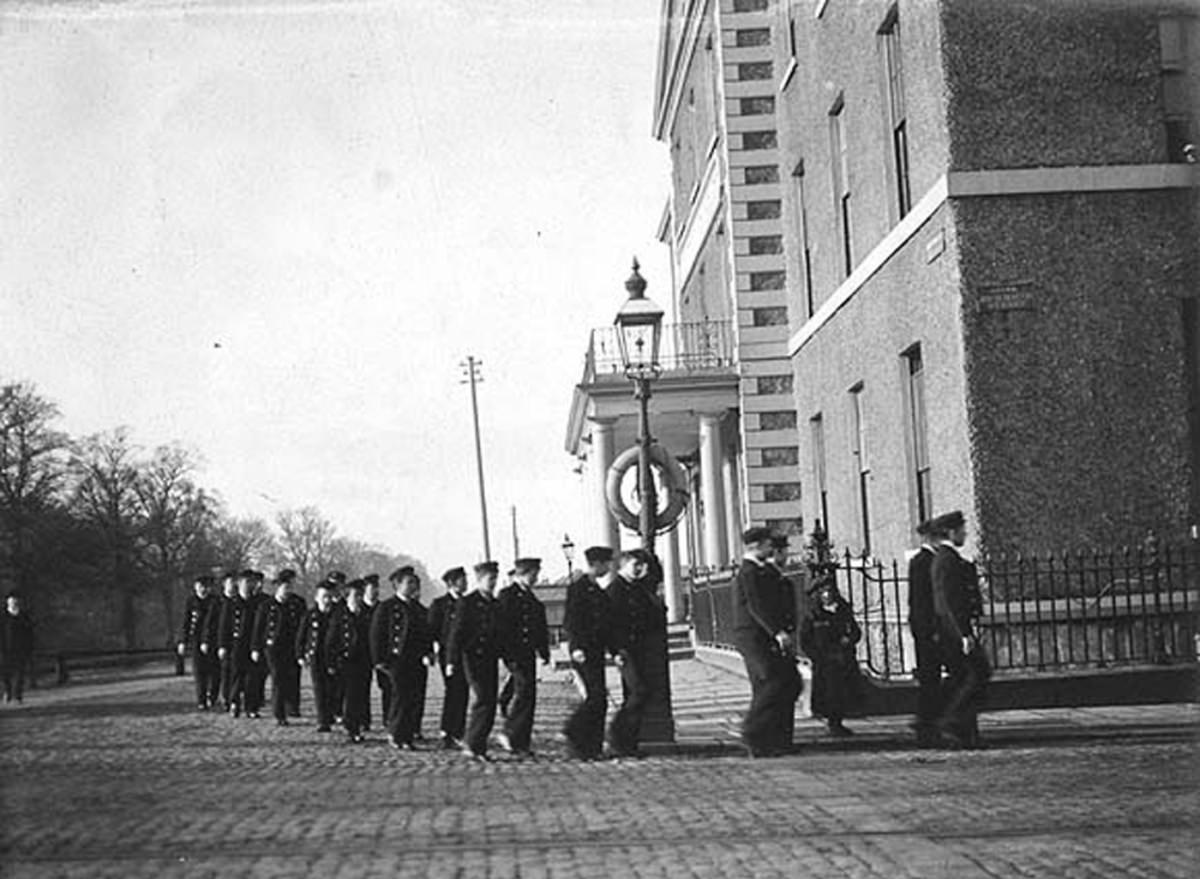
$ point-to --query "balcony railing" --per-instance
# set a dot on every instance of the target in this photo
(689, 347)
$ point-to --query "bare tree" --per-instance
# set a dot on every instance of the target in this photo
(177, 515)
(307, 539)
(242, 542)
(107, 476)
(32, 464)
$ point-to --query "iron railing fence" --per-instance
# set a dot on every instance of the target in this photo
(1050, 612)
(686, 347)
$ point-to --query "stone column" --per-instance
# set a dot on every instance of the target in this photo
(733, 508)
(606, 528)
(672, 578)
(715, 550)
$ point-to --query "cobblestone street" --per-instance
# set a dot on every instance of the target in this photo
(125, 780)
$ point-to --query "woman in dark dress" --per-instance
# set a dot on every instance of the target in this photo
(828, 635)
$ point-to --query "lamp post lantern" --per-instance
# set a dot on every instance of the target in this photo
(568, 548)
(639, 335)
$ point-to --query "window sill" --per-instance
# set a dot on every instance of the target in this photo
(788, 74)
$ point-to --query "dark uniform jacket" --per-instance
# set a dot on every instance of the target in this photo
(399, 632)
(212, 621)
(236, 625)
(310, 639)
(475, 631)
(956, 598)
(276, 625)
(587, 623)
(347, 640)
(442, 611)
(635, 614)
(763, 602)
(16, 635)
(921, 619)
(195, 614)
(524, 632)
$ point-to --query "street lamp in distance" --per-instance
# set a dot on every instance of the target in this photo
(568, 548)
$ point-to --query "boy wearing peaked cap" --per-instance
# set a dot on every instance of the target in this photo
(587, 627)
(473, 650)
(401, 646)
(525, 638)
(442, 612)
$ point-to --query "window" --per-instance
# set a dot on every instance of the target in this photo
(840, 165)
(768, 280)
(774, 316)
(749, 5)
(785, 420)
(764, 244)
(759, 106)
(779, 492)
(762, 210)
(790, 527)
(805, 249)
(751, 70)
(862, 464)
(759, 140)
(817, 423)
(896, 117)
(780, 456)
(756, 174)
(918, 432)
(1173, 50)
(756, 36)
(774, 384)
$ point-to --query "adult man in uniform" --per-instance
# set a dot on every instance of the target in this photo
(276, 626)
(635, 616)
(525, 638)
(956, 604)
(474, 651)
(400, 646)
(310, 651)
(370, 604)
(195, 613)
(208, 644)
(233, 645)
(922, 622)
(764, 633)
(586, 626)
(347, 646)
(442, 612)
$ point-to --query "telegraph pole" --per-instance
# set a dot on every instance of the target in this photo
(472, 377)
(516, 542)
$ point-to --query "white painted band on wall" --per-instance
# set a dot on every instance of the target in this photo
(982, 184)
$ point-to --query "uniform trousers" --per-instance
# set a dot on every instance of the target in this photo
(518, 719)
(206, 676)
(775, 684)
(405, 686)
(456, 692)
(929, 682)
(323, 685)
(584, 728)
(482, 674)
(285, 685)
(356, 693)
(626, 727)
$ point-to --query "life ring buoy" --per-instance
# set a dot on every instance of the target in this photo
(674, 482)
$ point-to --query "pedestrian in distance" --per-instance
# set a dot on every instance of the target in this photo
(16, 647)
(587, 626)
(347, 646)
(276, 627)
(958, 604)
(209, 646)
(234, 645)
(195, 612)
(828, 636)
(474, 651)
(455, 691)
(401, 646)
(311, 652)
(923, 624)
(763, 623)
(525, 638)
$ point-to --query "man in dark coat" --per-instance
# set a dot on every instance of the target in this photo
(401, 646)
(764, 632)
(347, 647)
(191, 636)
(234, 635)
(636, 617)
(455, 690)
(208, 644)
(276, 626)
(16, 647)
(586, 627)
(310, 651)
(922, 622)
(371, 604)
(956, 604)
(474, 651)
(526, 639)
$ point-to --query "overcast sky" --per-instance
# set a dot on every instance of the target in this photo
(347, 198)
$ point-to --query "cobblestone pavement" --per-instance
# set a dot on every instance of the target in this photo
(124, 780)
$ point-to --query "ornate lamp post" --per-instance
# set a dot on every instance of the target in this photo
(568, 548)
(639, 334)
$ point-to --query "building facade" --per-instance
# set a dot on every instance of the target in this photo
(992, 238)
